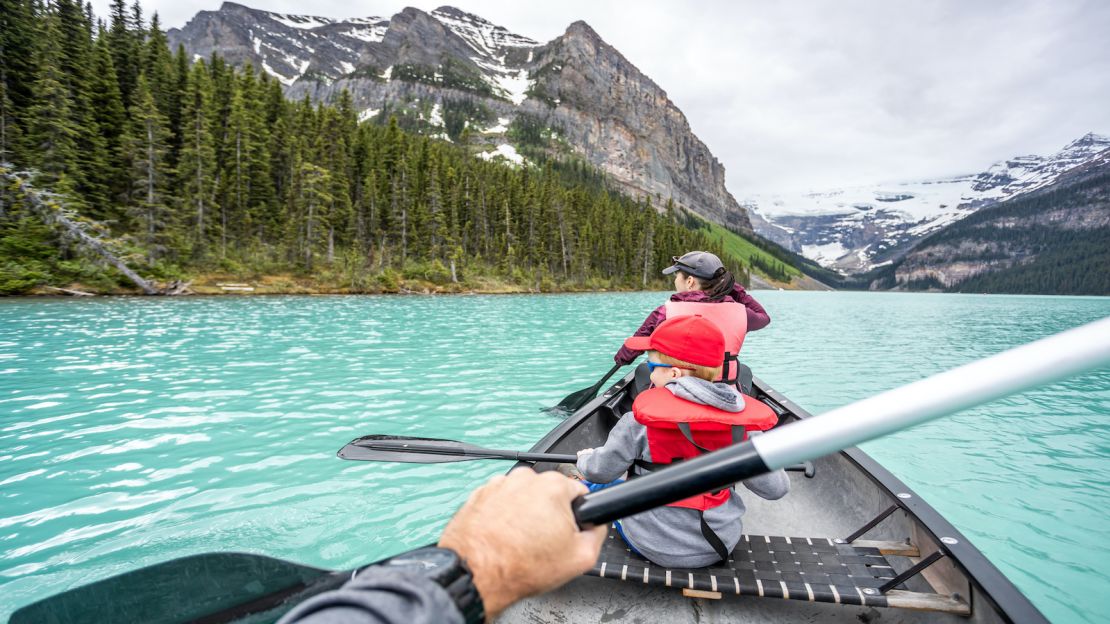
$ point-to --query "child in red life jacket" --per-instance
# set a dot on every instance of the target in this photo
(683, 415)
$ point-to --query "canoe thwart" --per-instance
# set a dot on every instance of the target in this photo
(814, 569)
(902, 549)
(917, 601)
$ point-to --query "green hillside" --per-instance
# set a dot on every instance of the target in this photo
(765, 258)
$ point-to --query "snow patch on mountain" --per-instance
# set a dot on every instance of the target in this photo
(515, 87)
(506, 151)
(824, 254)
(300, 22)
(501, 128)
(372, 33)
(436, 116)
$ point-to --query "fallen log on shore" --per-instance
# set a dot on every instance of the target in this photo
(71, 291)
(51, 208)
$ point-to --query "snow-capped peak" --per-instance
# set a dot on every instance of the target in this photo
(486, 38)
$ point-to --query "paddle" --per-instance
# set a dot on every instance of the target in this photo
(1035, 364)
(388, 448)
(391, 448)
(575, 400)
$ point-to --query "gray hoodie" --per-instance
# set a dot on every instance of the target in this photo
(671, 536)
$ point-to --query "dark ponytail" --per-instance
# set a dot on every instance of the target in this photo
(720, 285)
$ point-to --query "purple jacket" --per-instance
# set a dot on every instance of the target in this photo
(757, 316)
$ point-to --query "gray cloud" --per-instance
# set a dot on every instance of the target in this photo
(818, 94)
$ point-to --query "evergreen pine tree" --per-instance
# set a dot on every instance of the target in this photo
(110, 119)
(74, 32)
(52, 132)
(158, 66)
(145, 146)
(315, 183)
(235, 194)
(18, 74)
(122, 44)
(197, 164)
(178, 93)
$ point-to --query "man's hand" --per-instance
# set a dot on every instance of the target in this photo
(518, 536)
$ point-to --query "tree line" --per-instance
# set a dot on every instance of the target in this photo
(192, 165)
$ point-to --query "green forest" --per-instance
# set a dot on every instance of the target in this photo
(200, 171)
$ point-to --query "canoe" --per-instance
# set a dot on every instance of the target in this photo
(853, 544)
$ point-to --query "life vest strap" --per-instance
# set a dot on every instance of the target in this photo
(731, 363)
(707, 531)
(684, 427)
(711, 536)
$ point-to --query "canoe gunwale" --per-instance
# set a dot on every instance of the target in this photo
(1007, 600)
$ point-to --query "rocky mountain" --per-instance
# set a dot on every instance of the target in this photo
(461, 78)
(1052, 240)
(858, 229)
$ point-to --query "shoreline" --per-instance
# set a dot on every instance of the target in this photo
(284, 285)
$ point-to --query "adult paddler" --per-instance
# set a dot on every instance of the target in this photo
(704, 286)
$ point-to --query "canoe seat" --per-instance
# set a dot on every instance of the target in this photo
(793, 568)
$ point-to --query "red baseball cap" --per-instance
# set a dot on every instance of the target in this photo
(694, 339)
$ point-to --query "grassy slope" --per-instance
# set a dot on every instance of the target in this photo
(743, 248)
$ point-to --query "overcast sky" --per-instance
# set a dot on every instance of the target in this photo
(819, 94)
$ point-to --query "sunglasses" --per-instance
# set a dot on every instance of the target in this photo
(654, 365)
(685, 268)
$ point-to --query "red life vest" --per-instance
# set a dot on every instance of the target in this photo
(666, 416)
(729, 317)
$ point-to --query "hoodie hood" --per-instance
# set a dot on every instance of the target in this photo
(714, 394)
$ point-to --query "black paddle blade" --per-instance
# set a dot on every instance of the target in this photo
(574, 401)
(213, 587)
(387, 448)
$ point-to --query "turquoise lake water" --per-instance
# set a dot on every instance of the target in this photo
(137, 430)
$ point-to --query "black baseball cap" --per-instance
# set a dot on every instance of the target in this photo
(697, 263)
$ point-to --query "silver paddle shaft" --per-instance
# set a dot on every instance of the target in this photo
(1021, 368)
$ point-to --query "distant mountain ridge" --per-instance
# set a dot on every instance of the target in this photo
(1054, 239)
(857, 229)
(448, 72)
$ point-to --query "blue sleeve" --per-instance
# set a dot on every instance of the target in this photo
(379, 596)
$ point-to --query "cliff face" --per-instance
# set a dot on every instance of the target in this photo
(1053, 240)
(446, 71)
(627, 126)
